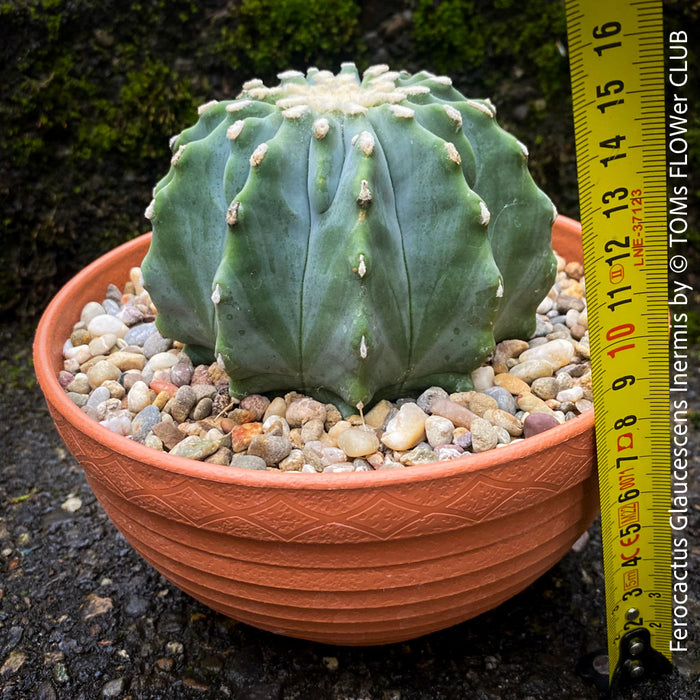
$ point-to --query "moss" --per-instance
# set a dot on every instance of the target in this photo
(72, 98)
(261, 37)
(492, 38)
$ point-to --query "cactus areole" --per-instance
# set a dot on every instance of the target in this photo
(352, 237)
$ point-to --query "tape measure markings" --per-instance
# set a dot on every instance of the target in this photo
(617, 67)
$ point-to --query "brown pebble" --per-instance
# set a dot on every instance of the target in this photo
(333, 415)
(272, 448)
(478, 403)
(566, 302)
(461, 397)
(532, 404)
(221, 456)
(375, 460)
(80, 336)
(459, 415)
(241, 435)
(512, 384)
(277, 407)
(304, 409)
(200, 375)
(183, 403)
(293, 462)
(216, 374)
(242, 416)
(377, 415)
(574, 269)
(507, 350)
(502, 419)
(168, 433)
(127, 360)
(545, 387)
(256, 404)
(537, 423)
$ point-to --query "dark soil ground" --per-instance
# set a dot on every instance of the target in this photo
(83, 617)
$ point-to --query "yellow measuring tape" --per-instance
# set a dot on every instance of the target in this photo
(617, 73)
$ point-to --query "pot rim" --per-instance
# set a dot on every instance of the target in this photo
(44, 353)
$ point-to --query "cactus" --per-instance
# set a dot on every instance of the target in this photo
(350, 237)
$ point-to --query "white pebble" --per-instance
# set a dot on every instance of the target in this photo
(545, 305)
(406, 429)
(276, 425)
(483, 378)
(338, 468)
(101, 371)
(104, 323)
(583, 405)
(102, 344)
(118, 423)
(139, 397)
(572, 317)
(79, 353)
(90, 310)
(71, 504)
(358, 442)
(439, 430)
(573, 394)
(162, 360)
(557, 352)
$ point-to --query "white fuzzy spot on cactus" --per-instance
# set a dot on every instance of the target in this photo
(173, 139)
(362, 266)
(149, 210)
(454, 114)
(250, 84)
(555, 213)
(363, 348)
(443, 80)
(410, 90)
(321, 127)
(293, 101)
(376, 70)
(452, 152)
(216, 294)
(490, 104)
(354, 109)
(258, 154)
(178, 154)
(290, 74)
(232, 214)
(481, 107)
(238, 105)
(402, 112)
(207, 105)
(499, 291)
(295, 112)
(365, 196)
(485, 214)
(523, 148)
(364, 141)
(234, 131)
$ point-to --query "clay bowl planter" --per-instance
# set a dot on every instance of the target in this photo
(359, 558)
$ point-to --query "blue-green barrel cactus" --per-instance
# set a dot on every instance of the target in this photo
(351, 237)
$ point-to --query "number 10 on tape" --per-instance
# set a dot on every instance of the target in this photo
(616, 57)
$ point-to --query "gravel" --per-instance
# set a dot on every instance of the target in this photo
(83, 617)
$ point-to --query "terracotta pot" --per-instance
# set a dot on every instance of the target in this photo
(357, 559)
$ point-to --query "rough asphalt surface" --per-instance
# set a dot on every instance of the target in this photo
(82, 617)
